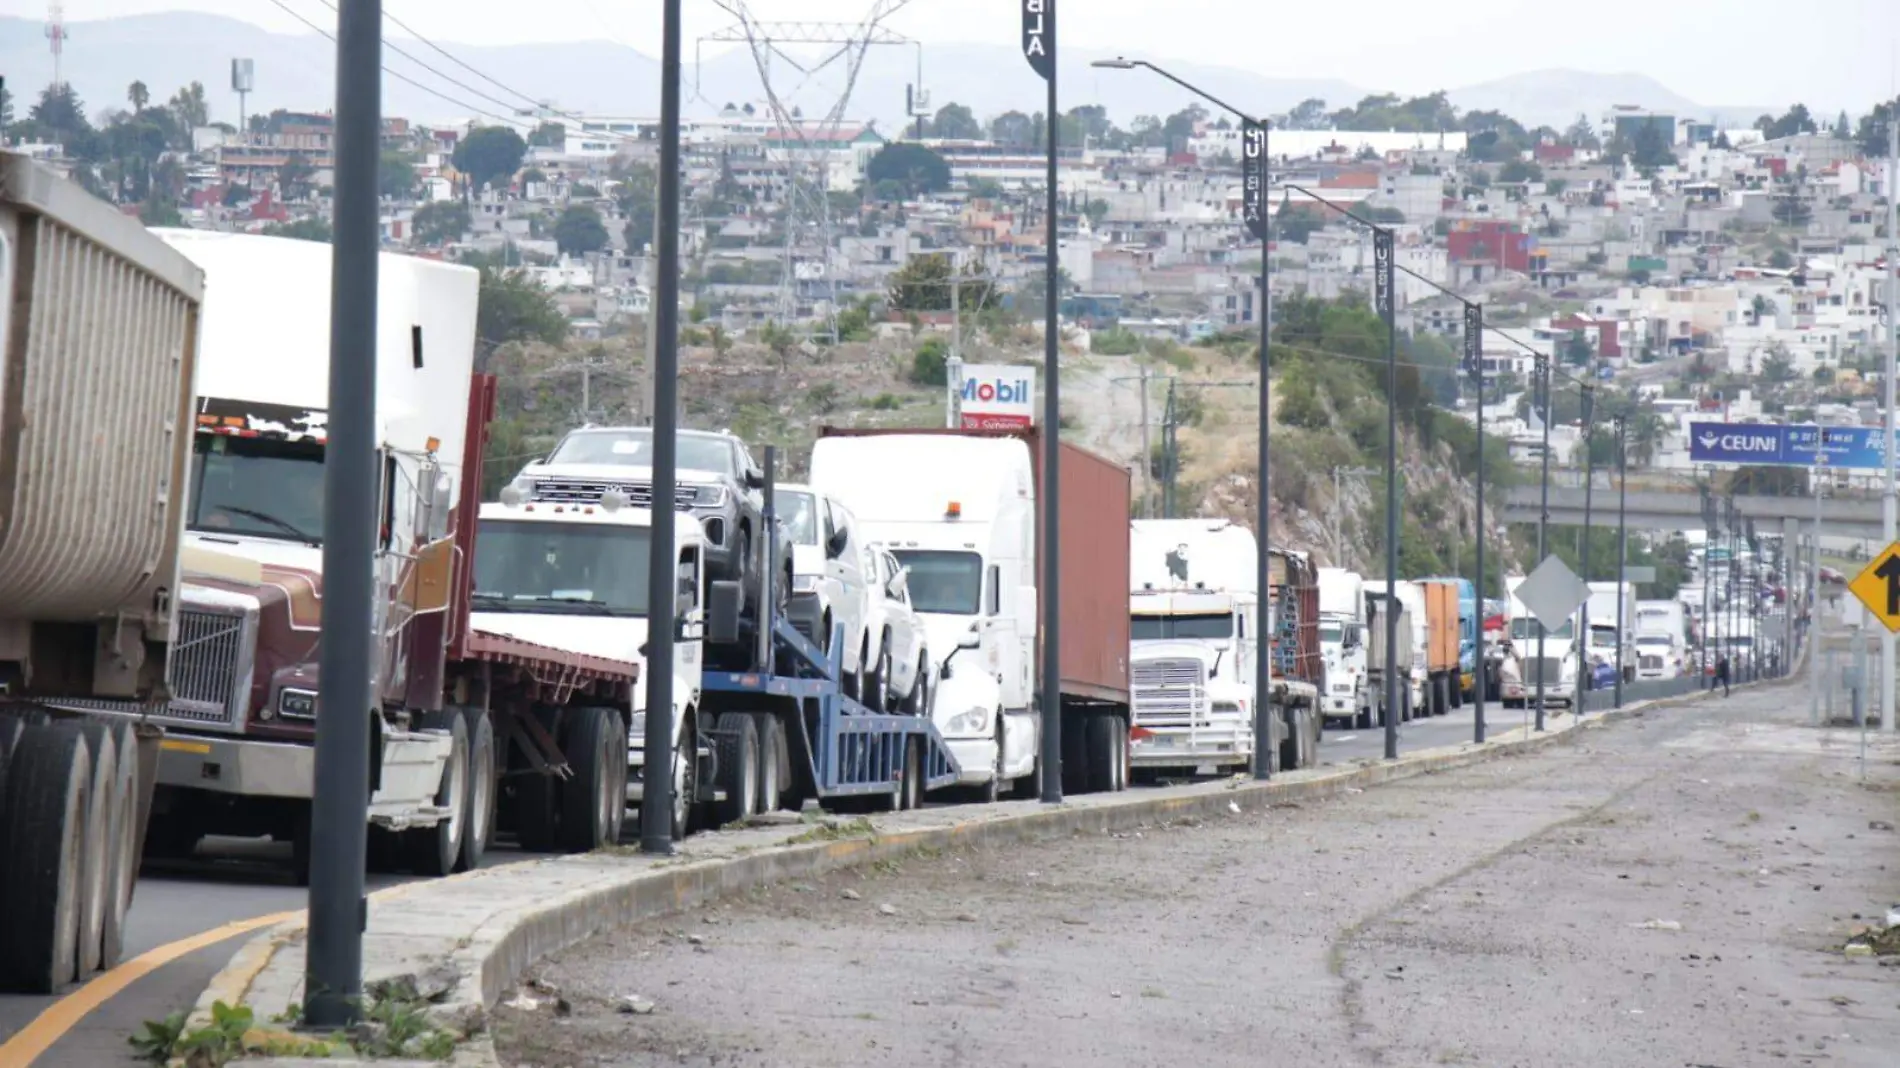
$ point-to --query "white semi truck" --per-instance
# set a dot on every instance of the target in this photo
(1613, 635)
(99, 330)
(1521, 669)
(1342, 640)
(1194, 610)
(1662, 639)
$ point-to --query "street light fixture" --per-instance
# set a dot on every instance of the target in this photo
(1256, 168)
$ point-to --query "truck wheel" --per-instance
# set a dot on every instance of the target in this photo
(49, 782)
(124, 845)
(1295, 739)
(772, 760)
(736, 743)
(685, 779)
(484, 782)
(435, 850)
(102, 818)
(1104, 763)
(917, 702)
(992, 791)
(594, 798)
(876, 680)
(911, 789)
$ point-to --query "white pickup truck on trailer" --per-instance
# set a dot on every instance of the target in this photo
(1194, 611)
(100, 335)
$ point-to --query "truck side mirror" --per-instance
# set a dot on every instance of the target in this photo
(722, 612)
(754, 478)
(969, 639)
(840, 539)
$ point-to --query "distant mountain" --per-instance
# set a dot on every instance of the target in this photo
(166, 51)
(1556, 97)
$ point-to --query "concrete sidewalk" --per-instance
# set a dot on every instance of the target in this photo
(466, 940)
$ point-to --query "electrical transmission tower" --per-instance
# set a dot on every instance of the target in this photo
(809, 146)
(56, 36)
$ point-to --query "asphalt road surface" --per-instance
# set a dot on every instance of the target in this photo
(247, 880)
(1673, 889)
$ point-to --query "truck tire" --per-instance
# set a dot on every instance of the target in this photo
(484, 788)
(773, 761)
(594, 798)
(1295, 740)
(434, 851)
(1107, 750)
(124, 846)
(49, 783)
(102, 818)
(736, 741)
(875, 683)
(911, 788)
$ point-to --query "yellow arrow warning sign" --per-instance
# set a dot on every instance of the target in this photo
(1878, 586)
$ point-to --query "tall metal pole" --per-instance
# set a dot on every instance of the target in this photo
(339, 810)
(1708, 576)
(1622, 543)
(1474, 353)
(1386, 285)
(1890, 501)
(1147, 454)
(1586, 677)
(656, 798)
(1543, 524)
(1039, 46)
(1814, 584)
(1263, 754)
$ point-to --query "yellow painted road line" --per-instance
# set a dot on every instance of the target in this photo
(62, 1016)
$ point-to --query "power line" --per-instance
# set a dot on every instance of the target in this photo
(399, 50)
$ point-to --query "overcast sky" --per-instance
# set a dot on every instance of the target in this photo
(1831, 54)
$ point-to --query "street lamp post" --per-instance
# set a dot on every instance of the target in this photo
(1039, 48)
(1586, 677)
(656, 799)
(1543, 520)
(1474, 357)
(1256, 177)
(1622, 539)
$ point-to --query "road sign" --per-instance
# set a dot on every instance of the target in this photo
(1848, 447)
(1878, 586)
(1552, 592)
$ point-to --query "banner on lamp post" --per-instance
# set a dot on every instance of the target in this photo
(1039, 37)
(1382, 268)
(1474, 340)
(996, 397)
(1253, 178)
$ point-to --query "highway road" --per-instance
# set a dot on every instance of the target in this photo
(180, 908)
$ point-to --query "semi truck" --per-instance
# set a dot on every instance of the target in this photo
(1470, 653)
(100, 344)
(1611, 613)
(472, 730)
(1662, 639)
(1522, 669)
(1342, 640)
(958, 508)
(1299, 668)
(1193, 608)
(1381, 603)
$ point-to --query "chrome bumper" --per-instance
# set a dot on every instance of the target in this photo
(243, 766)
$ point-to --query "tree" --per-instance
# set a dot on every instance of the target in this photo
(1308, 114)
(60, 116)
(1872, 132)
(6, 106)
(923, 284)
(1796, 121)
(189, 107)
(1777, 366)
(1582, 135)
(396, 176)
(579, 231)
(301, 229)
(635, 197)
(549, 134)
(1843, 130)
(138, 95)
(1013, 128)
(1297, 223)
(1518, 170)
(956, 122)
(916, 168)
(488, 154)
(293, 176)
(1780, 260)
(1651, 149)
(440, 222)
(512, 308)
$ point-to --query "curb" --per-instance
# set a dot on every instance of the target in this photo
(607, 895)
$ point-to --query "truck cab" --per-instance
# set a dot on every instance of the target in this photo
(1557, 668)
(959, 513)
(1342, 643)
(573, 575)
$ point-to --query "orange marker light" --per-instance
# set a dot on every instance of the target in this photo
(954, 511)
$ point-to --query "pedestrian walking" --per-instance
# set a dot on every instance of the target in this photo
(1721, 673)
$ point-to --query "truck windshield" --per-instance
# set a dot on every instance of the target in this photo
(1209, 625)
(1525, 628)
(1332, 633)
(943, 583)
(798, 510)
(263, 487)
(561, 568)
(1603, 636)
(696, 452)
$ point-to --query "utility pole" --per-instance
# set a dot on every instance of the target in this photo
(1170, 441)
(1890, 502)
(1147, 453)
(1339, 539)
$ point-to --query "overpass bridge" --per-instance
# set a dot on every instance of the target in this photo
(1670, 501)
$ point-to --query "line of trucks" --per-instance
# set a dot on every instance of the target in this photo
(162, 442)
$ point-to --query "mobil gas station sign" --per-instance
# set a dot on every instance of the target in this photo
(996, 397)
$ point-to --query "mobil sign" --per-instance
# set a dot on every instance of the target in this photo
(996, 397)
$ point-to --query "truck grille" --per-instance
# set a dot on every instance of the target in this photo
(1169, 692)
(1550, 669)
(589, 491)
(1649, 663)
(209, 672)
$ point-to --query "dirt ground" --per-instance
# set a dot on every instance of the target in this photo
(1673, 890)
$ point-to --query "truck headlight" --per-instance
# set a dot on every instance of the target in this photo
(804, 583)
(974, 720)
(709, 496)
(637, 729)
(1231, 707)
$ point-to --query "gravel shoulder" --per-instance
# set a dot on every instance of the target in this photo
(1670, 890)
